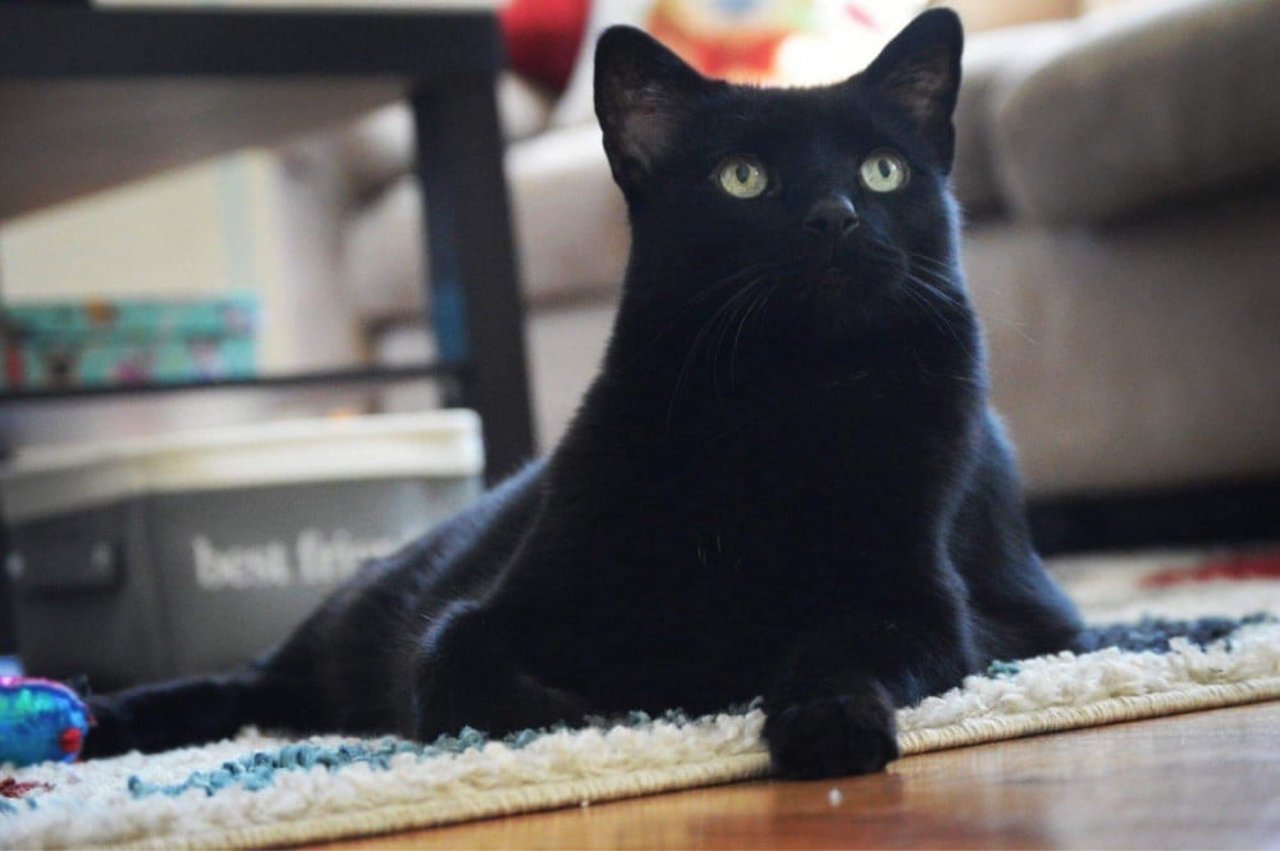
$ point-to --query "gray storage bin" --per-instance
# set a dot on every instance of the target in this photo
(194, 553)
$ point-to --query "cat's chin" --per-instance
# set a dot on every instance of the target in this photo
(848, 287)
(836, 278)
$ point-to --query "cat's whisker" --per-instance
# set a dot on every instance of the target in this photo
(935, 279)
(937, 292)
(701, 296)
(939, 319)
(730, 319)
(944, 271)
(928, 260)
(753, 308)
(924, 305)
(922, 263)
(947, 266)
(943, 311)
(735, 310)
(703, 333)
(741, 302)
(987, 314)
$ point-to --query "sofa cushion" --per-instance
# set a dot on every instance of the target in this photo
(569, 221)
(1146, 104)
(378, 149)
(1138, 355)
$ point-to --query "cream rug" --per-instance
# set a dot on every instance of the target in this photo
(262, 790)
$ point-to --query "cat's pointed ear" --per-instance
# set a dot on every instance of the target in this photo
(643, 95)
(920, 71)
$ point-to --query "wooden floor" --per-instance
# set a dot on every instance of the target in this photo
(1208, 780)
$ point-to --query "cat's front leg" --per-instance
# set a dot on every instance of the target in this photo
(466, 675)
(831, 711)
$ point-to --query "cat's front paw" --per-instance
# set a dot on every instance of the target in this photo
(832, 736)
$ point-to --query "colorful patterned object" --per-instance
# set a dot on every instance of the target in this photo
(40, 720)
(786, 42)
(61, 345)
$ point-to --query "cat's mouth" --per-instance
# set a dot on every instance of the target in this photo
(834, 257)
(830, 262)
(855, 262)
(836, 274)
(858, 274)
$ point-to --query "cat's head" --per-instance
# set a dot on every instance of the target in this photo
(834, 199)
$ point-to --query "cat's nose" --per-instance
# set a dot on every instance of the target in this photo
(833, 217)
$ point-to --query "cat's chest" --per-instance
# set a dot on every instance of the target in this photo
(861, 424)
(843, 462)
(808, 474)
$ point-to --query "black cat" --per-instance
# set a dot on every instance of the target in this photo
(786, 480)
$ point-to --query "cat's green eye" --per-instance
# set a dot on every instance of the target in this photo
(742, 177)
(883, 171)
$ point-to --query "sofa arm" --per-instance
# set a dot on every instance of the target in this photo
(993, 62)
(1144, 106)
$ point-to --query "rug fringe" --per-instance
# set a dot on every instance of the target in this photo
(534, 798)
(1113, 710)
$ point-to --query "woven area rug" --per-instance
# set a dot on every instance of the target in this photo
(1160, 655)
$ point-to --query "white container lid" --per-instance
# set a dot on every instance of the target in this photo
(49, 480)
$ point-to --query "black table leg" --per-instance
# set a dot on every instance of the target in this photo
(473, 295)
(8, 631)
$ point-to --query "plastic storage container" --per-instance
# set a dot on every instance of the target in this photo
(194, 553)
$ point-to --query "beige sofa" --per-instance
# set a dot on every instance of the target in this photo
(1121, 176)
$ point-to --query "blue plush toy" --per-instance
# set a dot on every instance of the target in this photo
(40, 720)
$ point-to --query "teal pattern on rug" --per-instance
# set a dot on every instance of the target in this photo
(1148, 635)
(257, 770)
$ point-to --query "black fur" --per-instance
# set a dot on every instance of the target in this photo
(786, 480)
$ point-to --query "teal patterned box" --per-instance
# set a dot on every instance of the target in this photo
(62, 345)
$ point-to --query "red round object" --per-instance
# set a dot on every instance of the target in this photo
(543, 37)
(70, 740)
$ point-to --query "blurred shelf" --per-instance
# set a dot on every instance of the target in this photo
(379, 375)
